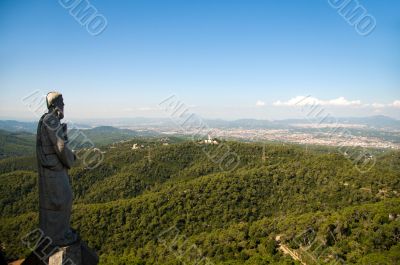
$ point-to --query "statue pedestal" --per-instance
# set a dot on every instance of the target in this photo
(76, 254)
(70, 255)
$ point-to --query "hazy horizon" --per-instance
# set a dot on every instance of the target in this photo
(166, 118)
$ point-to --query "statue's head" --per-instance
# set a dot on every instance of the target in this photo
(55, 103)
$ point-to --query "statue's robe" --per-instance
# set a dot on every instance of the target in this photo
(55, 194)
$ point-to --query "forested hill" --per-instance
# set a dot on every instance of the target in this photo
(162, 203)
(16, 143)
(18, 139)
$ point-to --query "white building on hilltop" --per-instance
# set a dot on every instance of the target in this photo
(209, 141)
(135, 146)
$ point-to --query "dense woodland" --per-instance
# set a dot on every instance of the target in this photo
(172, 204)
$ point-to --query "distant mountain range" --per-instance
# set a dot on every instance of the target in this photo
(372, 121)
(378, 121)
(28, 126)
(104, 135)
(18, 126)
(20, 142)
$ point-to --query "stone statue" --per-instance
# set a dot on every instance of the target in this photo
(54, 159)
(61, 245)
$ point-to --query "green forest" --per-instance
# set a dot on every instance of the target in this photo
(170, 202)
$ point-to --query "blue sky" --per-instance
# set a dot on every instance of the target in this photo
(223, 58)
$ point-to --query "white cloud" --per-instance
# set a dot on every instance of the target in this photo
(395, 104)
(260, 103)
(343, 102)
(303, 101)
(297, 101)
(377, 105)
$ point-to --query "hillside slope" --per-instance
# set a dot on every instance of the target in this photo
(124, 207)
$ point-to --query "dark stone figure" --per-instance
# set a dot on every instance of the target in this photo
(54, 160)
(60, 244)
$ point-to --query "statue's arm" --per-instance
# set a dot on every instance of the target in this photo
(56, 136)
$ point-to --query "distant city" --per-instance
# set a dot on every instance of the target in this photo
(369, 132)
(377, 139)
